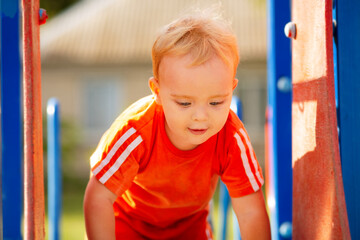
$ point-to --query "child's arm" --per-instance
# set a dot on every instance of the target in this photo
(252, 216)
(98, 211)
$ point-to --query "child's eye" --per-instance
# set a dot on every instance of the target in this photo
(215, 103)
(183, 104)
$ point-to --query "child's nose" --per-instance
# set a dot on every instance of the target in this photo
(200, 114)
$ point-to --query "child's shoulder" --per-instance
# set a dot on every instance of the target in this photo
(138, 117)
(139, 108)
(139, 113)
(129, 130)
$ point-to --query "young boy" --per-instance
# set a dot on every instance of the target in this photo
(156, 169)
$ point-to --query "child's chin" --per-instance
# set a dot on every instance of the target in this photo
(198, 142)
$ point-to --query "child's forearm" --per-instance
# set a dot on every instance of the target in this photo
(252, 216)
(255, 227)
(98, 211)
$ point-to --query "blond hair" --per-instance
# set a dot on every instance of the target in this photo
(202, 34)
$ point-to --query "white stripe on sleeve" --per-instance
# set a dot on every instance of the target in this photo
(121, 159)
(113, 150)
(252, 154)
(245, 162)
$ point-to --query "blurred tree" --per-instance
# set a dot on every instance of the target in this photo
(53, 7)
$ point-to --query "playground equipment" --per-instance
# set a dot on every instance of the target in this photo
(323, 172)
(316, 164)
(319, 209)
(34, 213)
(347, 36)
(11, 130)
(54, 168)
(278, 169)
(11, 127)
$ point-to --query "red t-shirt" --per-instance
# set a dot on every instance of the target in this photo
(163, 191)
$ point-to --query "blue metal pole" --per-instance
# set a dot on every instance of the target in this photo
(335, 50)
(224, 201)
(54, 169)
(278, 141)
(11, 127)
(348, 63)
(236, 106)
(224, 197)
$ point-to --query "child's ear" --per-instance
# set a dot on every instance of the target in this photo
(155, 88)
(235, 82)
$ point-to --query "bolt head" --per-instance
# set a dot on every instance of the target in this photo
(290, 30)
(285, 230)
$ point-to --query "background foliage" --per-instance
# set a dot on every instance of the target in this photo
(54, 7)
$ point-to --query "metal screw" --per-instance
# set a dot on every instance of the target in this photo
(284, 84)
(285, 230)
(290, 30)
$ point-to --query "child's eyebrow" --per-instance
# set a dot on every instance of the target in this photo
(221, 95)
(179, 96)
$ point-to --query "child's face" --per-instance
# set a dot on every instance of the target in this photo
(196, 100)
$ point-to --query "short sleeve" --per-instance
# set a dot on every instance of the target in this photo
(241, 173)
(115, 162)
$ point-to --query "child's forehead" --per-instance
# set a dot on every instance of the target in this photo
(177, 73)
(189, 61)
(179, 61)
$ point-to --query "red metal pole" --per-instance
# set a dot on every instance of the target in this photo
(33, 145)
(319, 210)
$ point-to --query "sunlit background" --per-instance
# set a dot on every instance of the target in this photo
(96, 60)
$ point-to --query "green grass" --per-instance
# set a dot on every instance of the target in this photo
(73, 226)
(72, 222)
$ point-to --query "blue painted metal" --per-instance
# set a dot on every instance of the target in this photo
(278, 160)
(54, 169)
(348, 39)
(11, 130)
(224, 202)
(224, 197)
(236, 229)
(236, 106)
(336, 84)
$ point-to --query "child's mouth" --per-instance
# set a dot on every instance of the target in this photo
(197, 131)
